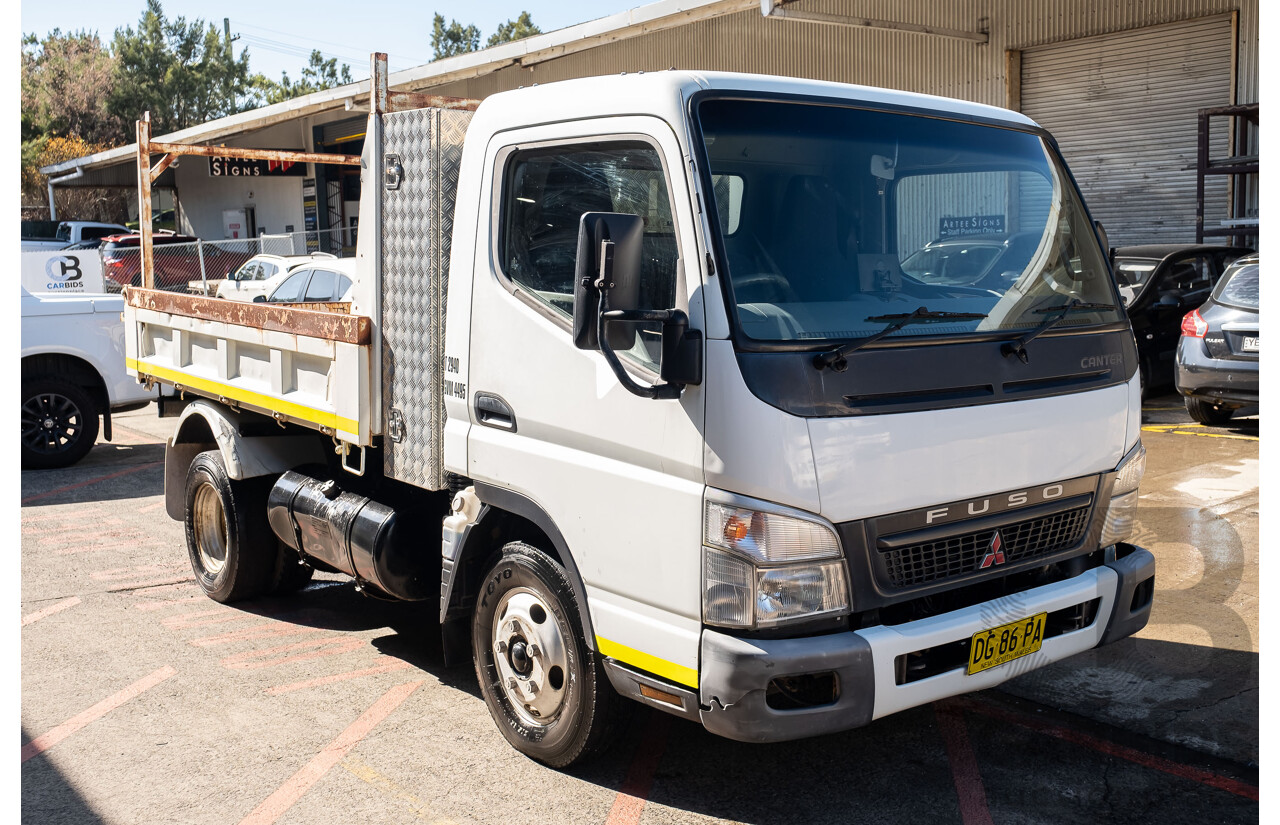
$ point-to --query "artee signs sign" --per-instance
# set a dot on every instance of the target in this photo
(240, 168)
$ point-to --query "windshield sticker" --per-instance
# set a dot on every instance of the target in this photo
(956, 227)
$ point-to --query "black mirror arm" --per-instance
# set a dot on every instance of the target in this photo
(606, 314)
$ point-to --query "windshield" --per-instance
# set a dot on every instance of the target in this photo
(833, 216)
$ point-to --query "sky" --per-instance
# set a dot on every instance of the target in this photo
(280, 38)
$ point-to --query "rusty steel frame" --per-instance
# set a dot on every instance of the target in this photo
(298, 319)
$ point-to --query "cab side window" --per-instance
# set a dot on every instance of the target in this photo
(545, 193)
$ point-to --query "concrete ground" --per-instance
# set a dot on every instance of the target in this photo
(145, 702)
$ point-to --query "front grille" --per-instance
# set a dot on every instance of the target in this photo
(954, 556)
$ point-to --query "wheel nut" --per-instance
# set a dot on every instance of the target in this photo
(513, 684)
(501, 647)
(534, 651)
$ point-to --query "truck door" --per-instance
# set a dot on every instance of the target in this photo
(621, 476)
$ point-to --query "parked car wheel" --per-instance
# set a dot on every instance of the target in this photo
(547, 692)
(1207, 413)
(59, 422)
(232, 549)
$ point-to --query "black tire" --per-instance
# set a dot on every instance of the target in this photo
(59, 422)
(1207, 413)
(232, 549)
(290, 576)
(580, 707)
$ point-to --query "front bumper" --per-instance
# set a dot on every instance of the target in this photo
(736, 672)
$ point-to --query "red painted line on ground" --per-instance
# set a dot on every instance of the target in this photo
(143, 438)
(151, 507)
(970, 792)
(136, 544)
(292, 790)
(333, 646)
(45, 741)
(50, 610)
(1138, 757)
(91, 481)
(122, 573)
(262, 631)
(66, 530)
(339, 677)
(219, 615)
(629, 803)
(168, 603)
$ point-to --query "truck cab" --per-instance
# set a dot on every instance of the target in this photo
(872, 469)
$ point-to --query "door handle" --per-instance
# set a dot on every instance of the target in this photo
(492, 411)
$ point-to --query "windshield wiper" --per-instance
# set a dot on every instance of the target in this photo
(1018, 346)
(836, 358)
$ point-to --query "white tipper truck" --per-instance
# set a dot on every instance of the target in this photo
(645, 347)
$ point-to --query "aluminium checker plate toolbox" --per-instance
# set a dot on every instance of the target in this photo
(417, 229)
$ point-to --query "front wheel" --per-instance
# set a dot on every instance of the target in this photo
(1207, 413)
(232, 549)
(545, 689)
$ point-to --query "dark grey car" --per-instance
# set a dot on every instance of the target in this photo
(1217, 363)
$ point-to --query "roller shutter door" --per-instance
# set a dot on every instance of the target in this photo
(1123, 110)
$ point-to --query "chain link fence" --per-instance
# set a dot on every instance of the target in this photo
(186, 264)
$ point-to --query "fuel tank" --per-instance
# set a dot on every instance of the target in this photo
(354, 534)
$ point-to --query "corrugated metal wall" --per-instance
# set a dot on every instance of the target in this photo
(921, 63)
(1123, 110)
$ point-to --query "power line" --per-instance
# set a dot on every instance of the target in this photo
(305, 50)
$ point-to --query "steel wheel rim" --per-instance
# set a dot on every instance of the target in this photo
(51, 423)
(210, 528)
(531, 657)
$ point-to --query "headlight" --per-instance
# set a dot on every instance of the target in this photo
(1122, 510)
(768, 537)
(762, 569)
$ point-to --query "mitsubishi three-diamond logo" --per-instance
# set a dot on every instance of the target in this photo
(995, 553)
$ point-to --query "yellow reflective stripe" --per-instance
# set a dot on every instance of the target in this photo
(269, 402)
(667, 670)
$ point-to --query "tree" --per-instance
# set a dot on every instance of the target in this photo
(517, 29)
(65, 82)
(184, 74)
(320, 74)
(452, 40)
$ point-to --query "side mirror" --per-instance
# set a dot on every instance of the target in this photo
(606, 305)
(259, 299)
(609, 250)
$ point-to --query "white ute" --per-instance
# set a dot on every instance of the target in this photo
(73, 372)
(695, 438)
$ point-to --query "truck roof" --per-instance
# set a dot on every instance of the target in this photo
(645, 92)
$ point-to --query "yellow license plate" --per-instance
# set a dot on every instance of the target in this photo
(992, 648)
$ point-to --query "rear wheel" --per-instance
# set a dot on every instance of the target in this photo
(1207, 413)
(59, 422)
(232, 549)
(545, 689)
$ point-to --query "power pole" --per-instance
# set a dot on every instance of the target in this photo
(226, 30)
